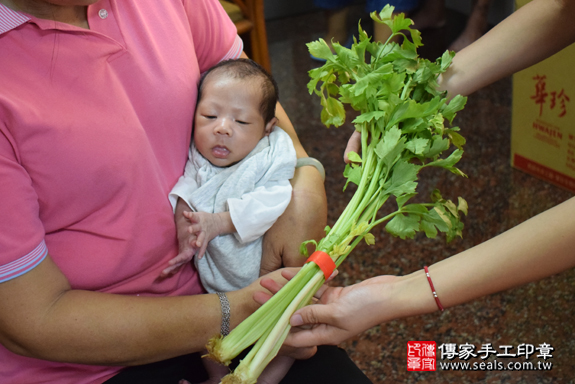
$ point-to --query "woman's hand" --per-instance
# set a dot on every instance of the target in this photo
(335, 317)
(353, 145)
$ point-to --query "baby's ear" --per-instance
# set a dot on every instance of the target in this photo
(270, 125)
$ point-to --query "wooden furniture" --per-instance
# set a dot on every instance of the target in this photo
(248, 16)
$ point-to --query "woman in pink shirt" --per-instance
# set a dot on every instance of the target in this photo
(96, 108)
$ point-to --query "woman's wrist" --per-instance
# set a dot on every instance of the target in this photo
(412, 295)
(241, 305)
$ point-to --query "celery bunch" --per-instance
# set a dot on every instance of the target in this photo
(402, 129)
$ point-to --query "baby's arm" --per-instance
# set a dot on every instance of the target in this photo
(205, 226)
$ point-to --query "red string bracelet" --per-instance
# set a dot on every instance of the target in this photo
(323, 261)
(433, 289)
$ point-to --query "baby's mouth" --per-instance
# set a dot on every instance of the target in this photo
(220, 152)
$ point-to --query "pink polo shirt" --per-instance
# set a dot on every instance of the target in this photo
(95, 127)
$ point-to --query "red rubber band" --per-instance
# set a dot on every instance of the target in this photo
(323, 261)
(433, 289)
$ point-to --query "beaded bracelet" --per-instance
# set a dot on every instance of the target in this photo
(225, 305)
(433, 289)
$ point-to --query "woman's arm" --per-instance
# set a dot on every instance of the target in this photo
(531, 34)
(42, 317)
(537, 248)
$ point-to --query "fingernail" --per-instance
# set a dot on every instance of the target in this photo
(296, 320)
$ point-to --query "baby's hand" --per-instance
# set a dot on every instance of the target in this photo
(185, 256)
(205, 226)
(187, 246)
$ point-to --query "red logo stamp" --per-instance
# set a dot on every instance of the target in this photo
(421, 356)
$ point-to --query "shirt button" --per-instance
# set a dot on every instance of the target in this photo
(103, 13)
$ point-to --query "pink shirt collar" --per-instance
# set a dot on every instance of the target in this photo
(10, 19)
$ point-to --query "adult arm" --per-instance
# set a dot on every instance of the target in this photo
(534, 32)
(42, 317)
(537, 248)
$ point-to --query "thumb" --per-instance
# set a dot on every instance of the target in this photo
(312, 314)
(353, 145)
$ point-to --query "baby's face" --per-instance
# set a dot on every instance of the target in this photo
(228, 121)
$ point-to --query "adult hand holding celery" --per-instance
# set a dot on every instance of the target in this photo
(401, 120)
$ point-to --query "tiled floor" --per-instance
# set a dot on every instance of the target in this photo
(499, 197)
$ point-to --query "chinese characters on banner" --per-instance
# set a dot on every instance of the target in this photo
(466, 351)
(557, 99)
(421, 356)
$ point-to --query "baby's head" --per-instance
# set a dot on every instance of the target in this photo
(235, 110)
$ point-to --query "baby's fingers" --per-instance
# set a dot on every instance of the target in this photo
(171, 270)
(201, 244)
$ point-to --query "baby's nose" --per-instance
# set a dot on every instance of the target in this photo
(223, 127)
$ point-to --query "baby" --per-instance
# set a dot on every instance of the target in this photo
(236, 183)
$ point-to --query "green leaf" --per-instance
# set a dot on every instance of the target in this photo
(369, 116)
(403, 179)
(448, 162)
(400, 23)
(456, 139)
(443, 216)
(446, 60)
(438, 145)
(390, 145)
(403, 226)
(397, 52)
(429, 229)
(451, 207)
(384, 14)
(333, 112)
(315, 75)
(320, 49)
(417, 145)
(369, 239)
(332, 89)
(457, 171)
(415, 209)
(413, 109)
(433, 218)
(401, 200)
(354, 157)
(345, 56)
(455, 105)
(436, 196)
(303, 247)
(462, 206)
(353, 174)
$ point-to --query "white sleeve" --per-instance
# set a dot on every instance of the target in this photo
(255, 212)
(183, 188)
